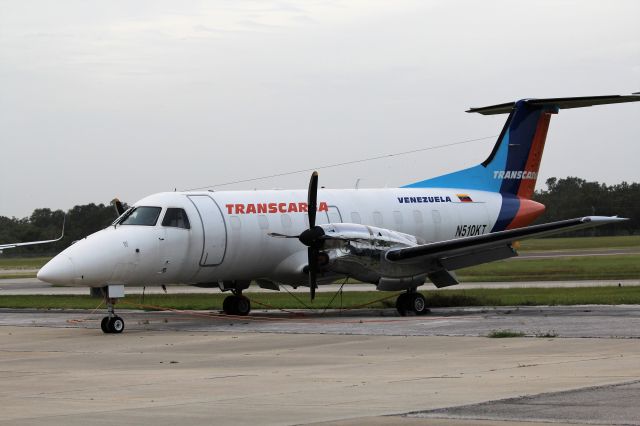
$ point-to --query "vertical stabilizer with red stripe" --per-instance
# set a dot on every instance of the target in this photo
(512, 167)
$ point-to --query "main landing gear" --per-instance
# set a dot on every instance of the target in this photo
(112, 323)
(236, 304)
(411, 301)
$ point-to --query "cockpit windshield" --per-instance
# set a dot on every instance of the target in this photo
(145, 216)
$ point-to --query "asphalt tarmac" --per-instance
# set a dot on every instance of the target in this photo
(575, 365)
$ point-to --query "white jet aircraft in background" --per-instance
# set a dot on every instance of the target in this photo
(395, 238)
(33, 243)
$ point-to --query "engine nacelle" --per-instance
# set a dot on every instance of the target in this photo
(378, 237)
(358, 251)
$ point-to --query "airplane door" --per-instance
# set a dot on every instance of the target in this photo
(174, 245)
(214, 230)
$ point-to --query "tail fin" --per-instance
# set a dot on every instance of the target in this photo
(512, 167)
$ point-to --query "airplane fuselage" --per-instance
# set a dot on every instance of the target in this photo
(228, 234)
(396, 238)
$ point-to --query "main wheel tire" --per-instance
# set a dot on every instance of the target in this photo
(104, 325)
(116, 324)
(242, 305)
(418, 304)
(228, 305)
(401, 304)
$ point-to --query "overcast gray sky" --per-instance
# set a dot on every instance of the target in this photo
(128, 98)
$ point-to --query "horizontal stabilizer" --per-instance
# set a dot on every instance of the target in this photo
(560, 103)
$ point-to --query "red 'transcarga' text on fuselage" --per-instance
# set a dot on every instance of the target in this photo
(264, 208)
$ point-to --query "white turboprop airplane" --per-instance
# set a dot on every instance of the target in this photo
(395, 238)
(33, 243)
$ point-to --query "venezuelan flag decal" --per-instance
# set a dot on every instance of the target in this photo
(464, 198)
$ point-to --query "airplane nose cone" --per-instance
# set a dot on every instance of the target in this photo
(58, 270)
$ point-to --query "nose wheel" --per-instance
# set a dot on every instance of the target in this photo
(411, 301)
(112, 323)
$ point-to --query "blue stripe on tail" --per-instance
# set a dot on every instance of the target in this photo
(504, 169)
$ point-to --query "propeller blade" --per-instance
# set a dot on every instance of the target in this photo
(277, 235)
(312, 253)
(312, 237)
(312, 199)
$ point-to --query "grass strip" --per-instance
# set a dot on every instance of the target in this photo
(556, 269)
(501, 334)
(23, 262)
(16, 275)
(448, 298)
(581, 243)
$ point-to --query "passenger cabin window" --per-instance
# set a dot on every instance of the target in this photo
(397, 217)
(263, 222)
(377, 219)
(145, 216)
(435, 215)
(286, 220)
(417, 217)
(176, 218)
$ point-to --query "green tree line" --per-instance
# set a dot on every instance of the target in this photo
(574, 197)
(46, 224)
(564, 199)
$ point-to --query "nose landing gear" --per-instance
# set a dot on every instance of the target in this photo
(411, 301)
(112, 323)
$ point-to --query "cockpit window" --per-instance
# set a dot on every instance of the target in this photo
(145, 216)
(176, 218)
(122, 217)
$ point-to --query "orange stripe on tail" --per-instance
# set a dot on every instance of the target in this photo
(527, 186)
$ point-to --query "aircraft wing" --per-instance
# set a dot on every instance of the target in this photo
(32, 243)
(444, 256)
